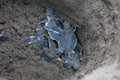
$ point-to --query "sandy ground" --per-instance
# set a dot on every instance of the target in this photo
(99, 35)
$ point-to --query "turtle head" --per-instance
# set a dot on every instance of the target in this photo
(50, 13)
(66, 24)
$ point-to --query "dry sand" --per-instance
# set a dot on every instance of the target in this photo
(99, 35)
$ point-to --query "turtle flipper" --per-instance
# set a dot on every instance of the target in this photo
(52, 44)
(42, 22)
(31, 39)
(2, 36)
(46, 57)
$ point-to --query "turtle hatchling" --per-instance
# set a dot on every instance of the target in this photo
(69, 39)
(53, 26)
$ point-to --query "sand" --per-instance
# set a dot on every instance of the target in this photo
(98, 34)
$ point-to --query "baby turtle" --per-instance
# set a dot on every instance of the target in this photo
(65, 37)
(69, 38)
(53, 26)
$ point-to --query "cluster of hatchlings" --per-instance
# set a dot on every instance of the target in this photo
(59, 37)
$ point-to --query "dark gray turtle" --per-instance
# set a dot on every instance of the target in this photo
(52, 25)
(31, 39)
(68, 38)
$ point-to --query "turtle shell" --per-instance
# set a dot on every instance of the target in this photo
(69, 39)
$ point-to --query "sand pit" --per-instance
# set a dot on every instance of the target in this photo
(99, 32)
